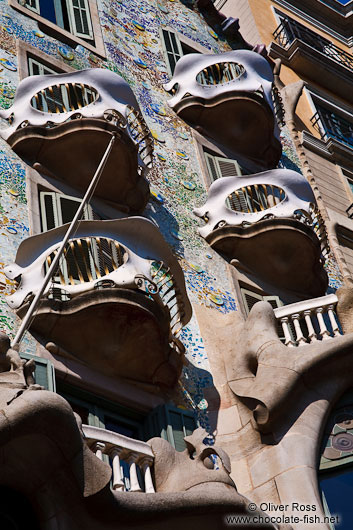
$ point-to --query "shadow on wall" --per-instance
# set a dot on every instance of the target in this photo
(200, 392)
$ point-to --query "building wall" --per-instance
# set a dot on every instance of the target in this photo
(132, 43)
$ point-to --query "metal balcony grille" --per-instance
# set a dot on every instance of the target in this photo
(290, 29)
(332, 125)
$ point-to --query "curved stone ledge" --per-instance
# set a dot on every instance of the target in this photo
(56, 150)
(281, 251)
(237, 113)
(130, 329)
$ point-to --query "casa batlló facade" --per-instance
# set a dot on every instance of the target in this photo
(176, 240)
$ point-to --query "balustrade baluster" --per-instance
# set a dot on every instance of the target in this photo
(118, 479)
(311, 331)
(300, 339)
(334, 324)
(134, 483)
(98, 449)
(325, 334)
(288, 339)
(146, 464)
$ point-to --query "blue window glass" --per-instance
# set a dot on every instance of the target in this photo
(337, 489)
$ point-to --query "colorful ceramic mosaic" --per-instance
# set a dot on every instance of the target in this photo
(338, 437)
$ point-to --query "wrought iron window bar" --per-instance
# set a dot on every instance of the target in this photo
(332, 125)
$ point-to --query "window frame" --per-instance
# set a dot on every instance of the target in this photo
(216, 160)
(35, 9)
(330, 104)
(72, 21)
(66, 36)
(180, 40)
(98, 407)
(48, 366)
(259, 297)
(31, 61)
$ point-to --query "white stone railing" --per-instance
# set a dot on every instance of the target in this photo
(309, 321)
(128, 458)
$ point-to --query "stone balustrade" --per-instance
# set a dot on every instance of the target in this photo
(309, 321)
(131, 460)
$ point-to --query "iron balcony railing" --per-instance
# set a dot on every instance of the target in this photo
(290, 29)
(93, 259)
(332, 125)
(261, 197)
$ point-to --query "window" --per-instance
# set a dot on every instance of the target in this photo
(33, 5)
(57, 209)
(165, 421)
(71, 15)
(175, 47)
(74, 22)
(99, 412)
(170, 423)
(331, 122)
(44, 373)
(35, 67)
(345, 240)
(250, 298)
(84, 259)
(240, 200)
(219, 167)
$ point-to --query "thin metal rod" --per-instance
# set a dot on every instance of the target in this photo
(70, 231)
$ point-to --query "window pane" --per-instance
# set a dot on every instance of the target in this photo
(111, 424)
(174, 44)
(338, 491)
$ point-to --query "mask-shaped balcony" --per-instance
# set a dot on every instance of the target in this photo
(229, 98)
(61, 125)
(117, 302)
(269, 225)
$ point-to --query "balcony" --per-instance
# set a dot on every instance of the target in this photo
(117, 302)
(58, 120)
(313, 56)
(268, 225)
(309, 321)
(330, 13)
(229, 98)
(131, 460)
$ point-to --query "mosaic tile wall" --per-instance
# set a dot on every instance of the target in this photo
(133, 46)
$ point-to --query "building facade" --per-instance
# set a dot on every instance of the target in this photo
(189, 359)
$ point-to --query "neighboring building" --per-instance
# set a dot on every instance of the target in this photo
(229, 181)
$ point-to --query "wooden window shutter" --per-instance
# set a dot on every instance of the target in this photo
(170, 423)
(250, 298)
(274, 301)
(212, 167)
(80, 18)
(227, 167)
(44, 374)
(172, 49)
(57, 209)
(48, 210)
